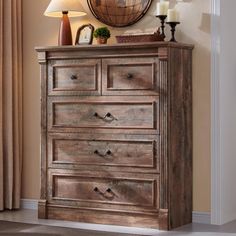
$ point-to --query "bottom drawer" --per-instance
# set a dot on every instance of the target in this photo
(121, 191)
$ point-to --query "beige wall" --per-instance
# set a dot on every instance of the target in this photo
(195, 28)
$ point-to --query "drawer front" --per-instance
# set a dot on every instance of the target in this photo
(79, 77)
(91, 189)
(76, 150)
(130, 76)
(101, 112)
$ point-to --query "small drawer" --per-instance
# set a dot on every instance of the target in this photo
(96, 190)
(130, 153)
(130, 76)
(74, 77)
(127, 113)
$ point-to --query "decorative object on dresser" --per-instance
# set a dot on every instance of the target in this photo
(102, 34)
(65, 8)
(162, 8)
(172, 16)
(173, 26)
(116, 140)
(138, 38)
(119, 13)
(84, 34)
(173, 21)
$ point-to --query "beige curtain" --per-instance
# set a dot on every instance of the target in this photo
(10, 103)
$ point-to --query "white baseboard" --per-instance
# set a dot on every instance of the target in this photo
(30, 204)
(198, 217)
(201, 217)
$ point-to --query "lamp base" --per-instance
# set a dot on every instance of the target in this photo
(65, 34)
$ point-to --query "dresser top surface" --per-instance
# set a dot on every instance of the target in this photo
(115, 46)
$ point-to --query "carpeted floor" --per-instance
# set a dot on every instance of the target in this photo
(20, 229)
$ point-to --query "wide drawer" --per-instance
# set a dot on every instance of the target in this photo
(127, 113)
(132, 153)
(74, 77)
(121, 191)
(130, 76)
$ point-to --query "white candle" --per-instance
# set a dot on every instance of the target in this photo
(172, 15)
(162, 8)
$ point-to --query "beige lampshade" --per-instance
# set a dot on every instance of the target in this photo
(56, 7)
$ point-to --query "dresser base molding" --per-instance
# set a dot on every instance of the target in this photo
(197, 216)
(106, 217)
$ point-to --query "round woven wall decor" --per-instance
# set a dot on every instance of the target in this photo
(119, 13)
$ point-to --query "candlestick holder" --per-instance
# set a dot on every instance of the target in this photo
(173, 26)
(162, 19)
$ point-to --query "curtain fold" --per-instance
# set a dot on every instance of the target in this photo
(10, 103)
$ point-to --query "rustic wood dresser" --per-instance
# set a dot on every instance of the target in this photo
(116, 140)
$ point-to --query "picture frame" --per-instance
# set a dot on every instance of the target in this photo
(84, 35)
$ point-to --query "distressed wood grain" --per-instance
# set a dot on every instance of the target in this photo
(104, 112)
(74, 77)
(130, 76)
(116, 140)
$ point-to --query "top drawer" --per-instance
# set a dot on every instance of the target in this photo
(74, 77)
(130, 76)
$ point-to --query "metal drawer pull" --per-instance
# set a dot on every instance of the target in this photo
(96, 189)
(74, 77)
(108, 194)
(108, 153)
(108, 117)
(129, 76)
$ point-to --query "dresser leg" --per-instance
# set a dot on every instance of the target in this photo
(42, 209)
(163, 219)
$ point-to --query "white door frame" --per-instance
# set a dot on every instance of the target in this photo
(216, 156)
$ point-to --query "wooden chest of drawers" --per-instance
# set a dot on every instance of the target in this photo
(116, 140)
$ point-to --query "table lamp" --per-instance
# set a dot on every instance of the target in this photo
(65, 9)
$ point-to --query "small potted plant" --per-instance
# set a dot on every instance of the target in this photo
(102, 34)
